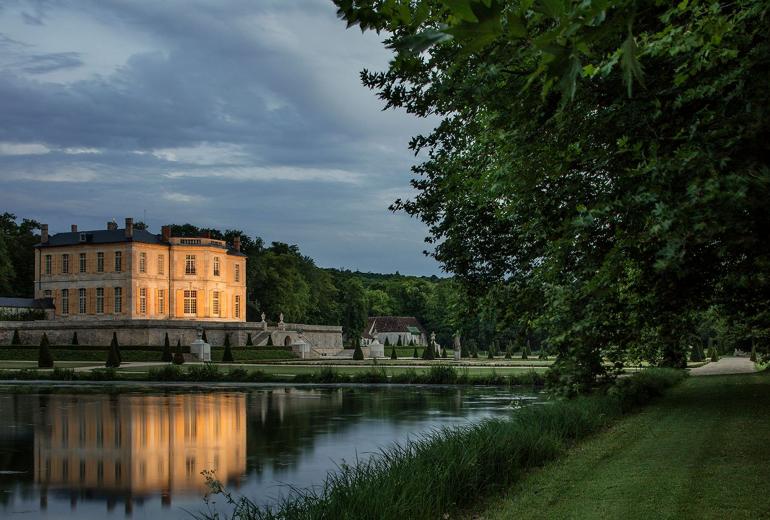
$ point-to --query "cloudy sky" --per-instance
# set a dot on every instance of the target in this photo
(241, 114)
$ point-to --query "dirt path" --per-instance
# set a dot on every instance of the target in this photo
(726, 365)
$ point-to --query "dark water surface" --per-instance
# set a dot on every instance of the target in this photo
(140, 455)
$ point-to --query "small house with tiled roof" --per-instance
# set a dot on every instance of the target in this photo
(407, 328)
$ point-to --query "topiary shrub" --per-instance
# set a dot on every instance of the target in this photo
(113, 357)
(203, 337)
(443, 353)
(117, 347)
(414, 354)
(227, 357)
(393, 354)
(248, 340)
(508, 351)
(178, 356)
(543, 355)
(15, 340)
(713, 354)
(525, 352)
(387, 341)
(490, 353)
(75, 338)
(44, 357)
(269, 340)
(358, 354)
(398, 343)
(166, 357)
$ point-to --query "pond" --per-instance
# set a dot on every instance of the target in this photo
(141, 454)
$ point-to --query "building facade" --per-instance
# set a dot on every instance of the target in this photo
(127, 274)
(407, 329)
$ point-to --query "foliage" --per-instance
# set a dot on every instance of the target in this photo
(598, 174)
(113, 357)
(17, 255)
(354, 310)
(269, 341)
(178, 356)
(415, 355)
(15, 340)
(75, 338)
(249, 342)
(393, 354)
(358, 354)
(44, 357)
(713, 354)
(753, 356)
(166, 357)
(227, 357)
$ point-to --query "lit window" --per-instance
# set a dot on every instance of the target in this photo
(100, 300)
(142, 262)
(65, 301)
(237, 272)
(99, 262)
(189, 264)
(47, 264)
(237, 306)
(82, 301)
(82, 263)
(161, 301)
(190, 302)
(215, 304)
(118, 300)
(118, 261)
(216, 266)
(161, 264)
(65, 263)
(143, 300)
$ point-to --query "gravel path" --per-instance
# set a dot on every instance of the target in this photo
(726, 365)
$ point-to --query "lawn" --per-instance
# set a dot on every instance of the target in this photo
(15, 365)
(700, 452)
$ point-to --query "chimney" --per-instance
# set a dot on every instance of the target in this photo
(166, 233)
(112, 226)
(237, 243)
(74, 228)
(129, 227)
(43, 233)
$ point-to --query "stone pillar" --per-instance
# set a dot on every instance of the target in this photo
(458, 348)
(43, 233)
(129, 231)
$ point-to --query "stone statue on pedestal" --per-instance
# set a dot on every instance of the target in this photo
(281, 324)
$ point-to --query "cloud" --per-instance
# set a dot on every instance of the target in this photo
(183, 198)
(44, 63)
(269, 173)
(23, 149)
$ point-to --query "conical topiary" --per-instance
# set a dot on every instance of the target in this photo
(248, 340)
(178, 356)
(393, 354)
(428, 353)
(443, 353)
(74, 338)
(543, 355)
(387, 341)
(508, 351)
(398, 343)
(15, 340)
(117, 347)
(412, 343)
(113, 357)
(227, 357)
(525, 352)
(490, 353)
(269, 340)
(203, 337)
(696, 353)
(358, 354)
(414, 354)
(44, 357)
(167, 357)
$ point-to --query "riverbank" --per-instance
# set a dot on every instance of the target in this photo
(700, 452)
(450, 469)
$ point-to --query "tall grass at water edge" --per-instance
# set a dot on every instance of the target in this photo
(451, 468)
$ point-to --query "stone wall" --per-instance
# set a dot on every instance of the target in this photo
(152, 332)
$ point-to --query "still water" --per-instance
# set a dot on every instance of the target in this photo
(140, 455)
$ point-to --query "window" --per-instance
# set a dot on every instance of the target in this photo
(142, 262)
(100, 300)
(161, 264)
(118, 300)
(47, 264)
(216, 266)
(82, 301)
(118, 261)
(47, 293)
(189, 264)
(142, 300)
(99, 262)
(190, 302)
(82, 268)
(237, 306)
(65, 263)
(237, 272)
(65, 301)
(161, 301)
(215, 304)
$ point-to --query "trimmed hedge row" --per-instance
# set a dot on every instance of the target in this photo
(137, 354)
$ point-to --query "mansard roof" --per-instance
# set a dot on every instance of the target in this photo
(400, 324)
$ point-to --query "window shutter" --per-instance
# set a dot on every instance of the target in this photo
(179, 303)
(91, 300)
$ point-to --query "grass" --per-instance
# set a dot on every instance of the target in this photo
(15, 365)
(60, 354)
(701, 452)
(449, 469)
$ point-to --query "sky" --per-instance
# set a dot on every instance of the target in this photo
(230, 114)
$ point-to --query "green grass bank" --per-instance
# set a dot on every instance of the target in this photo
(447, 471)
(701, 452)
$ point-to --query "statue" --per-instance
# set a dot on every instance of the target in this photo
(263, 316)
(458, 349)
(281, 324)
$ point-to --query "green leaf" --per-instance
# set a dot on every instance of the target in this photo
(420, 42)
(629, 62)
(461, 9)
(516, 26)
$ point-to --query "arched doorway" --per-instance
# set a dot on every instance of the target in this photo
(287, 341)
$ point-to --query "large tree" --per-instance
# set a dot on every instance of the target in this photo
(607, 155)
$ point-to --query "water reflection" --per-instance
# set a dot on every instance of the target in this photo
(80, 455)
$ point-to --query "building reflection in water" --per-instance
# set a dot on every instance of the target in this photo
(132, 446)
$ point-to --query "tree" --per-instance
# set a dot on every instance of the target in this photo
(606, 184)
(44, 357)
(74, 338)
(16, 340)
(166, 357)
(354, 313)
(753, 356)
(113, 356)
(227, 356)
(17, 255)
(508, 351)
(178, 356)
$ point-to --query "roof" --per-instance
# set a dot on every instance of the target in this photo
(402, 324)
(27, 303)
(110, 236)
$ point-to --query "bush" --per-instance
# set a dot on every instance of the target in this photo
(696, 352)
(269, 340)
(204, 372)
(178, 356)
(166, 373)
(713, 354)
(358, 354)
(227, 357)
(393, 354)
(63, 374)
(74, 338)
(441, 375)
(387, 341)
(415, 355)
(399, 343)
(525, 352)
(44, 357)
(15, 340)
(113, 358)
(249, 343)
(167, 357)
